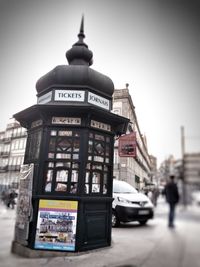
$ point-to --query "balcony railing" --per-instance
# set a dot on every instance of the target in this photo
(4, 153)
(13, 167)
(7, 139)
(4, 168)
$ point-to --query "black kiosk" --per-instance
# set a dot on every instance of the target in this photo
(70, 146)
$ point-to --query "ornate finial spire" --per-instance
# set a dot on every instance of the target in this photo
(82, 25)
(79, 54)
(81, 34)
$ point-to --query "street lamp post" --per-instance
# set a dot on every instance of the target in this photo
(184, 191)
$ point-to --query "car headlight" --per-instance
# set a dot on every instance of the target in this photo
(123, 200)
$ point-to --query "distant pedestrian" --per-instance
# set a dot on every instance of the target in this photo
(3, 196)
(11, 200)
(155, 195)
(172, 197)
(150, 195)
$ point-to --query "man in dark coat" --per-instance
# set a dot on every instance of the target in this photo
(172, 197)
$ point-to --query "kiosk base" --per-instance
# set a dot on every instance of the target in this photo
(26, 252)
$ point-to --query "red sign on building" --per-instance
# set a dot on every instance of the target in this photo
(127, 145)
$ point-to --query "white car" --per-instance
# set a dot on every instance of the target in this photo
(130, 205)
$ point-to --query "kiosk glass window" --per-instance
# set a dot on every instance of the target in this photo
(99, 149)
(62, 163)
(96, 182)
(98, 166)
(61, 180)
(96, 179)
(87, 183)
(49, 179)
(33, 146)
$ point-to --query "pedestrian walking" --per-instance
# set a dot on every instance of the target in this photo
(11, 199)
(155, 195)
(172, 197)
(3, 196)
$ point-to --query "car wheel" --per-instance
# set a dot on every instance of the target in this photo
(143, 222)
(115, 220)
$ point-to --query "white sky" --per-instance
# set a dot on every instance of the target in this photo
(152, 45)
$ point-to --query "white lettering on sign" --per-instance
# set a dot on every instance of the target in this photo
(66, 120)
(98, 101)
(44, 98)
(69, 95)
(100, 125)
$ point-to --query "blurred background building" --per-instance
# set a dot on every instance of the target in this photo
(12, 149)
(136, 170)
(187, 174)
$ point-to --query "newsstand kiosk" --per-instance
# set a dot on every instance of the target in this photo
(65, 199)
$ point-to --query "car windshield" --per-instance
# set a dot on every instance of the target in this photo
(123, 187)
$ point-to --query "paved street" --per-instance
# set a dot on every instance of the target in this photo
(153, 245)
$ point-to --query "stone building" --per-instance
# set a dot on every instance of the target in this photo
(191, 174)
(192, 169)
(154, 175)
(12, 149)
(135, 170)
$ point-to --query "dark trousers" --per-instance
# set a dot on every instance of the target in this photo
(171, 214)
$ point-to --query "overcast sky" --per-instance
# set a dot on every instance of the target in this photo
(152, 45)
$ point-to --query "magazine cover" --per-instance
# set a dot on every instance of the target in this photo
(56, 225)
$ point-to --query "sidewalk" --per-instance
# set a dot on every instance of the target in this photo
(154, 245)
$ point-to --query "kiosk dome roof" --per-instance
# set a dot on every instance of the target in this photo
(77, 73)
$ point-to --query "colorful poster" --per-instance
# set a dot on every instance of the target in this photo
(56, 225)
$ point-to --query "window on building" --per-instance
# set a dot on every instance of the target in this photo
(21, 143)
(6, 148)
(117, 111)
(15, 132)
(116, 157)
(18, 131)
(8, 134)
(18, 161)
(14, 161)
(5, 162)
(16, 144)
(24, 144)
(13, 145)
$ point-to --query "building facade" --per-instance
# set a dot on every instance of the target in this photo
(134, 170)
(187, 173)
(12, 149)
(191, 174)
(154, 173)
(191, 169)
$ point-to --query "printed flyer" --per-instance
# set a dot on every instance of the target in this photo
(56, 225)
(24, 206)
